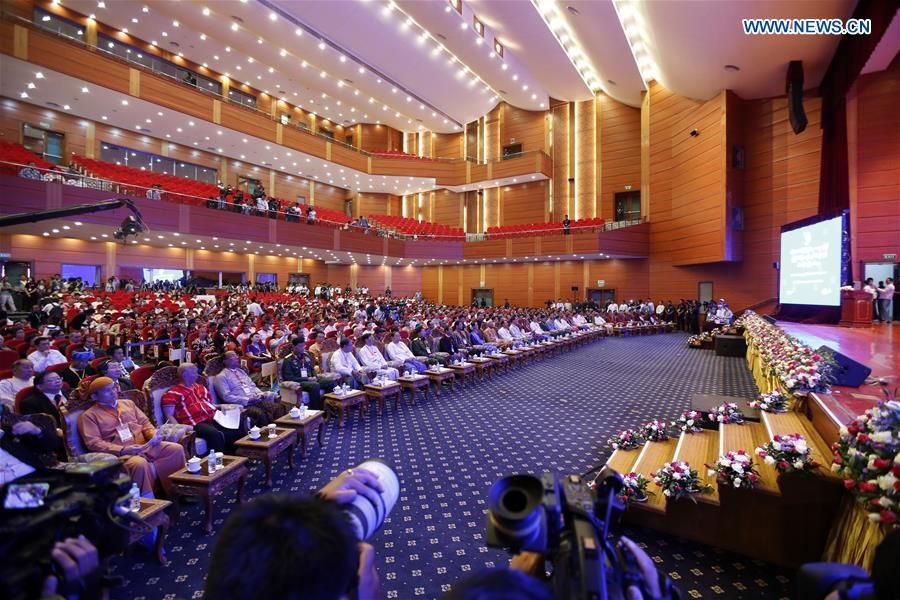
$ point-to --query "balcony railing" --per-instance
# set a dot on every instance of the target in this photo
(76, 177)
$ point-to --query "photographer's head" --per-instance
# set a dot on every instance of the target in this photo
(499, 584)
(286, 547)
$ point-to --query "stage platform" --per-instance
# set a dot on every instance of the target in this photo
(877, 347)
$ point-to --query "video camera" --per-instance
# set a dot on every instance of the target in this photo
(81, 499)
(568, 523)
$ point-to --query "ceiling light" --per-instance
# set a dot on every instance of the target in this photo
(235, 27)
(65, 107)
(321, 45)
(283, 52)
(205, 11)
(273, 16)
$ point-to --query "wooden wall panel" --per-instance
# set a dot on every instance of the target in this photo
(525, 126)
(448, 145)
(544, 285)
(584, 130)
(290, 187)
(781, 181)
(430, 283)
(372, 204)
(330, 197)
(373, 278)
(525, 203)
(877, 210)
(406, 281)
(619, 153)
(338, 275)
(561, 167)
(448, 208)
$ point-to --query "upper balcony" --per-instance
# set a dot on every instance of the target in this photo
(20, 39)
(199, 226)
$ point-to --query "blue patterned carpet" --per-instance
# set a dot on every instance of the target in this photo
(554, 415)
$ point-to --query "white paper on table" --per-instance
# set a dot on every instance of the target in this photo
(229, 419)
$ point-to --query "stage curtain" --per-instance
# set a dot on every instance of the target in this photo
(853, 538)
(851, 56)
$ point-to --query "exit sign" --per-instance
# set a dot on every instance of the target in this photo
(889, 256)
(601, 283)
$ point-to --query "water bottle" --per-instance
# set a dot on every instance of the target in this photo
(211, 462)
(302, 411)
(135, 498)
(220, 460)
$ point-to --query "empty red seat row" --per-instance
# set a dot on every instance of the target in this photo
(20, 155)
(552, 227)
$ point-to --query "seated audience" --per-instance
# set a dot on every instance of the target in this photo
(30, 172)
(28, 443)
(115, 371)
(234, 386)
(398, 351)
(298, 373)
(189, 403)
(47, 397)
(22, 377)
(344, 363)
(116, 426)
(45, 356)
(79, 368)
(370, 356)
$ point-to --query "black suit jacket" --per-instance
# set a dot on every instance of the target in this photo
(37, 402)
(448, 345)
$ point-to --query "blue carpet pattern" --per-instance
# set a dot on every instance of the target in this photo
(553, 415)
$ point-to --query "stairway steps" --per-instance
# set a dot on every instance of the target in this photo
(698, 450)
(792, 422)
(654, 455)
(622, 461)
(748, 437)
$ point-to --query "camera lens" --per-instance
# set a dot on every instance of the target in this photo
(366, 514)
(515, 509)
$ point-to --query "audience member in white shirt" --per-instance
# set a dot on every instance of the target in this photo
(23, 377)
(344, 363)
(886, 301)
(397, 350)
(371, 357)
(254, 309)
(45, 356)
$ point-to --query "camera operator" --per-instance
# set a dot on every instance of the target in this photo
(78, 564)
(289, 547)
(837, 581)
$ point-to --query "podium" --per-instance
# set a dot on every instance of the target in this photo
(856, 308)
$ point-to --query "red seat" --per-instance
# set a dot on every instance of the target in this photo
(7, 358)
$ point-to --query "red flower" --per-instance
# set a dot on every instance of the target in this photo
(783, 464)
(863, 438)
(866, 487)
(849, 484)
(880, 463)
(837, 459)
(888, 516)
(753, 477)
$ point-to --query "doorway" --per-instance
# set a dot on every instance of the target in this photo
(628, 206)
(483, 297)
(43, 142)
(14, 269)
(705, 291)
(602, 296)
(299, 279)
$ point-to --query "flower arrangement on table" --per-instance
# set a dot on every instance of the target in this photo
(634, 488)
(867, 456)
(788, 453)
(773, 402)
(627, 439)
(735, 469)
(695, 341)
(726, 413)
(689, 421)
(797, 366)
(677, 479)
(654, 431)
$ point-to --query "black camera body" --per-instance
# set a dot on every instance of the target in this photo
(83, 499)
(568, 523)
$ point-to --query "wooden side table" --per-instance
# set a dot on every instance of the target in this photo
(154, 513)
(380, 393)
(314, 420)
(500, 361)
(482, 366)
(207, 486)
(440, 376)
(463, 372)
(267, 449)
(413, 384)
(341, 404)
